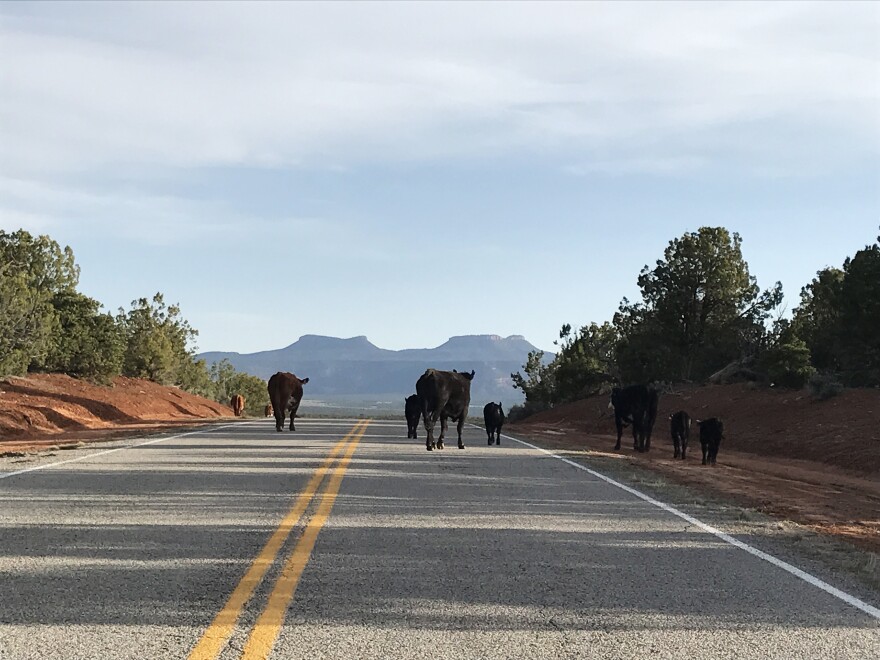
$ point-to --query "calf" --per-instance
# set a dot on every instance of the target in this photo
(636, 405)
(711, 434)
(413, 411)
(267, 411)
(493, 415)
(680, 424)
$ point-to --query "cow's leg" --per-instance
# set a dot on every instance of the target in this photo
(293, 410)
(676, 445)
(648, 440)
(444, 424)
(279, 418)
(638, 438)
(684, 445)
(498, 436)
(460, 428)
(619, 423)
(430, 420)
(705, 447)
(490, 433)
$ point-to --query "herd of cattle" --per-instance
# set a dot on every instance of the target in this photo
(446, 395)
(637, 405)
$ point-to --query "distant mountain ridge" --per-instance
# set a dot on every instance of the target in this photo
(357, 367)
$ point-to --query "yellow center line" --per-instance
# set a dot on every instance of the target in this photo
(268, 626)
(218, 633)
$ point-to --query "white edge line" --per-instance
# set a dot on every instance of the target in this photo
(6, 475)
(785, 566)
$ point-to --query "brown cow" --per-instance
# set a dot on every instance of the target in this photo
(285, 392)
(267, 410)
(237, 404)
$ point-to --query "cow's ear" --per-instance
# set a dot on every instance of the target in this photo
(304, 381)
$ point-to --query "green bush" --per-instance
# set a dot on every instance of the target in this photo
(788, 364)
(88, 344)
(824, 386)
(227, 381)
(157, 341)
(32, 271)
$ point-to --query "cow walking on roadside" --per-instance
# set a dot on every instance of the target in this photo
(237, 403)
(285, 393)
(493, 415)
(267, 411)
(413, 411)
(711, 434)
(636, 405)
(444, 395)
(680, 426)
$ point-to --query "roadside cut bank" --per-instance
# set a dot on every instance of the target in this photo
(45, 410)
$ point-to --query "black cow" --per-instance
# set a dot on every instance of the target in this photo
(444, 395)
(680, 425)
(636, 405)
(285, 393)
(711, 434)
(412, 410)
(493, 415)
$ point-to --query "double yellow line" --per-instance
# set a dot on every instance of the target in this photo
(268, 625)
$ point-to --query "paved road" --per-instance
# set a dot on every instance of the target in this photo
(195, 547)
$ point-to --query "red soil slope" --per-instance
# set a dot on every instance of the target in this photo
(46, 409)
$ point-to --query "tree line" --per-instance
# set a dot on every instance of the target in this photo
(702, 313)
(47, 326)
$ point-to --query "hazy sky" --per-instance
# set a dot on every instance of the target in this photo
(412, 171)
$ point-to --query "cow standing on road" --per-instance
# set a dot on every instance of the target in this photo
(493, 415)
(444, 395)
(413, 411)
(711, 434)
(267, 411)
(285, 393)
(237, 403)
(636, 405)
(680, 426)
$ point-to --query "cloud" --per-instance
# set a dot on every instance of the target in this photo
(94, 87)
(132, 214)
(646, 165)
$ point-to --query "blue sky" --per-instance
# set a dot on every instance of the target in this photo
(415, 171)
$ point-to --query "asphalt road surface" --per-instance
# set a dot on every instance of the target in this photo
(346, 540)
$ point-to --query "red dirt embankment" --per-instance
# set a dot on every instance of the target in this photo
(43, 410)
(814, 462)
